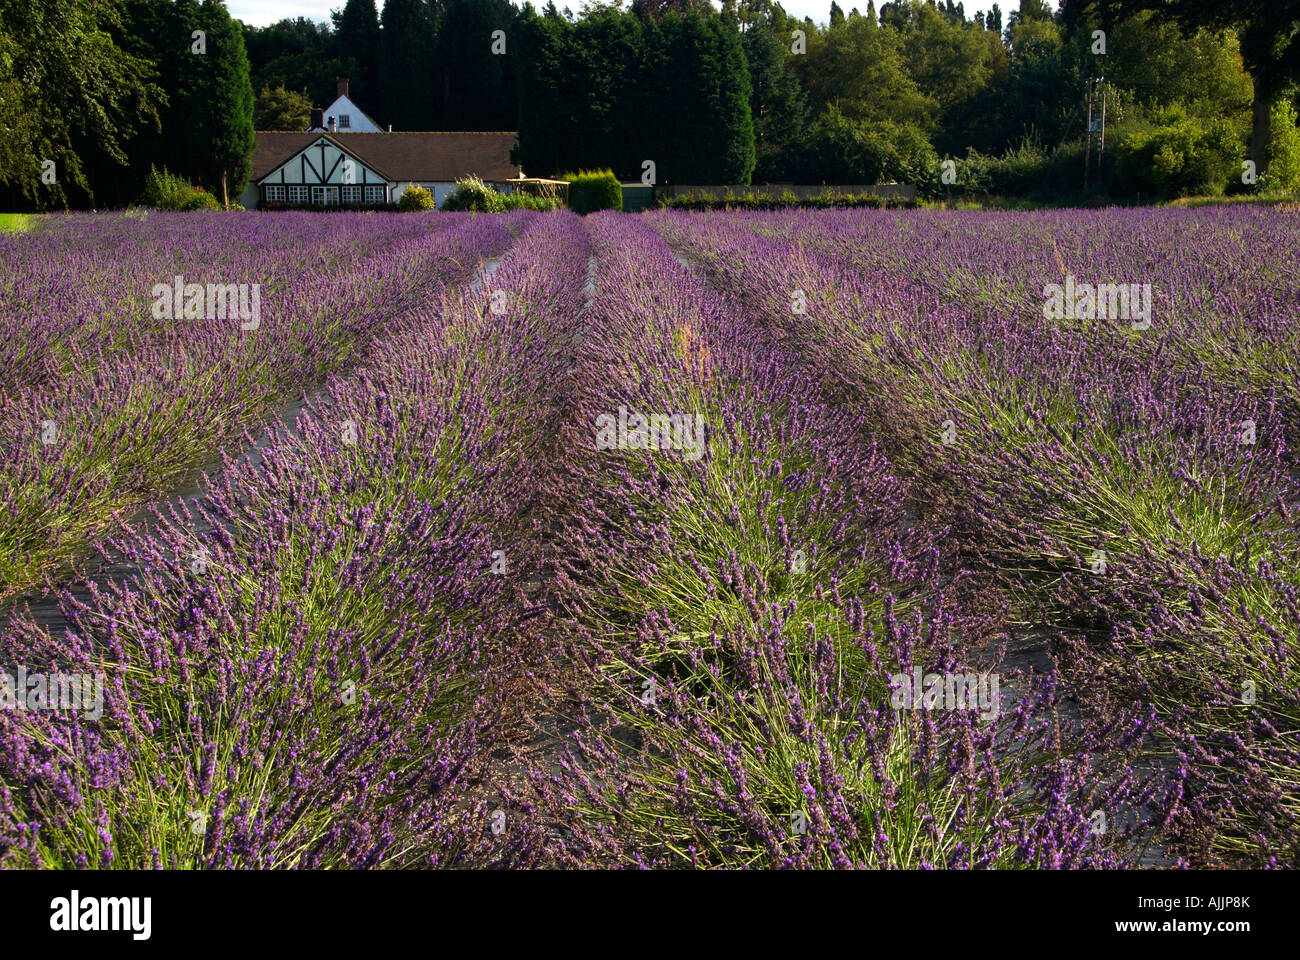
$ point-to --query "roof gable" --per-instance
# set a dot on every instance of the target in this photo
(348, 105)
(323, 160)
(427, 156)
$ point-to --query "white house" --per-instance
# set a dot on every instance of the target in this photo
(343, 115)
(327, 169)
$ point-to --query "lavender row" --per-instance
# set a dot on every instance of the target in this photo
(742, 589)
(138, 402)
(316, 657)
(1215, 291)
(81, 290)
(1130, 500)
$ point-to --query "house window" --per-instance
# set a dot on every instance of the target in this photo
(297, 194)
(325, 196)
(274, 194)
(332, 196)
(375, 194)
(351, 194)
(345, 121)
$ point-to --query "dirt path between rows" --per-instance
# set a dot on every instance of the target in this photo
(536, 746)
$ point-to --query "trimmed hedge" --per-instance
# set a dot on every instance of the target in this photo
(592, 190)
(763, 200)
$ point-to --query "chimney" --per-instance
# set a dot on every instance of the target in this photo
(334, 124)
(317, 118)
(342, 85)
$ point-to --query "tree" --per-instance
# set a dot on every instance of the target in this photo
(720, 148)
(406, 47)
(211, 120)
(1031, 10)
(69, 94)
(302, 55)
(1044, 91)
(356, 35)
(613, 90)
(549, 92)
(949, 61)
(777, 103)
(279, 109)
(859, 68)
(473, 85)
(1268, 32)
(1157, 65)
(656, 9)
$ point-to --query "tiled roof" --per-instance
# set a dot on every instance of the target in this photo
(429, 157)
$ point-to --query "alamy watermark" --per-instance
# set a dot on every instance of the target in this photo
(1101, 301)
(82, 692)
(75, 913)
(214, 301)
(658, 431)
(947, 691)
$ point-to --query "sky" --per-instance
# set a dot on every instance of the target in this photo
(260, 13)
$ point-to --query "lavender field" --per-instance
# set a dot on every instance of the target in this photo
(806, 539)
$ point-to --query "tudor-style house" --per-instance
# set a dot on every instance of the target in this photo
(328, 169)
(345, 158)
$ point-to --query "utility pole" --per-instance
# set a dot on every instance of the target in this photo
(1097, 125)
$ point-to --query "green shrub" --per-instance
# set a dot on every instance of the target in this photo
(200, 200)
(526, 201)
(415, 199)
(843, 150)
(1284, 152)
(1062, 173)
(1178, 156)
(1020, 171)
(166, 191)
(592, 190)
(471, 193)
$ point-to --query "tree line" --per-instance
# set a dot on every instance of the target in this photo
(679, 89)
(95, 92)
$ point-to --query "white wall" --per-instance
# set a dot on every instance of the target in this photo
(441, 191)
(360, 124)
